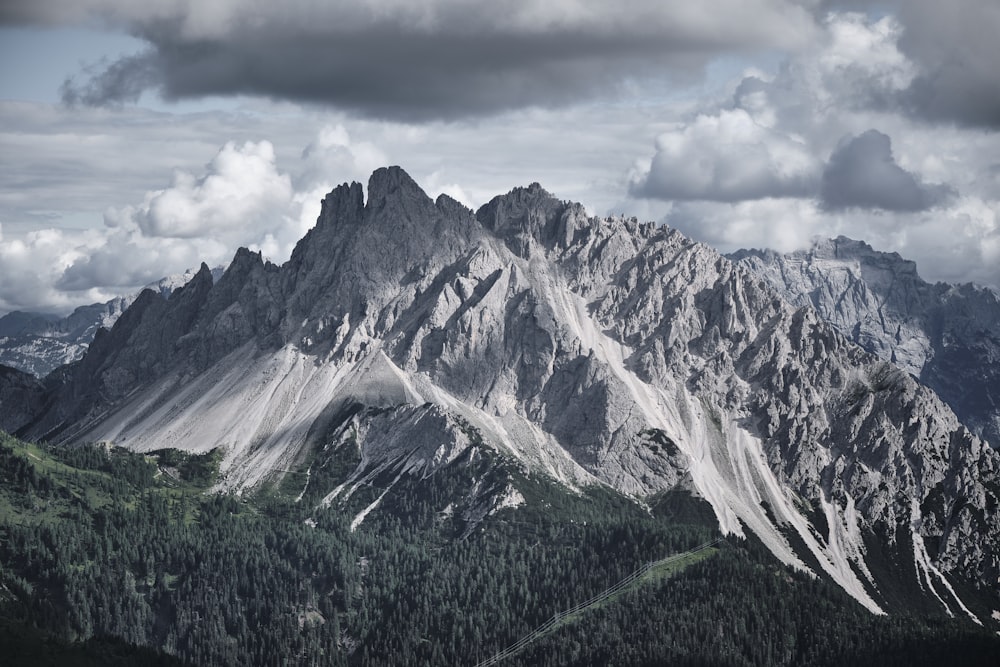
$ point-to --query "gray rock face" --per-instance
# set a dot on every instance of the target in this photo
(39, 343)
(947, 336)
(589, 350)
(21, 398)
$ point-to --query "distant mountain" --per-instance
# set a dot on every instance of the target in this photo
(407, 336)
(947, 336)
(38, 343)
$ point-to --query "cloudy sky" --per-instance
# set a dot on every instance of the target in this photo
(139, 139)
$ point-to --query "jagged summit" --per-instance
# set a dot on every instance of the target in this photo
(530, 216)
(343, 204)
(407, 335)
(391, 185)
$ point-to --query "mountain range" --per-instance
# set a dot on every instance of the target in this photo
(529, 340)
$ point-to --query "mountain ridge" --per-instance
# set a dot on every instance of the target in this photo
(583, 349)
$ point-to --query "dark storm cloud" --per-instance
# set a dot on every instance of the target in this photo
(421, 60)
(956, 47)
(382, 74)
(863, 174)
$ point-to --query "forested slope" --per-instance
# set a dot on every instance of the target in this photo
(119, 545)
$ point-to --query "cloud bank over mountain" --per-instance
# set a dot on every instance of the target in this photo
(761, 123)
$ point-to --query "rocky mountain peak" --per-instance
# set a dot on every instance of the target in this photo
(588, 351)
(201, 282)
(886, 268)
(528, 217)
(841, 247)
(244, 260)
(394, 185)
(451, 206)
(38, 343)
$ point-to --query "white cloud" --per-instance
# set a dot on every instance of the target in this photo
(780, 224)
(241, 198)
(771, 137)
(240, 193)
(929, 192)
(728, 157)
(862, 56)
(334, 154)
(960, 244)
(957, 244)
(30, 267)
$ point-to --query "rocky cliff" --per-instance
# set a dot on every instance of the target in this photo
(947, 336)
(406, 333)
(21, 398)
(38, 343)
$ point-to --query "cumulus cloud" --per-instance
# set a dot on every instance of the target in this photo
(125, 260)
(781, 224)
(31, 265)
(768, 138)
(241, 198)
(241, 192)
(435, 59)
(854, 69)
(930, 192)
(860, 65)
(727, 157)
(863, 173)
(334, 151)
(951, 51)
(960, 243)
